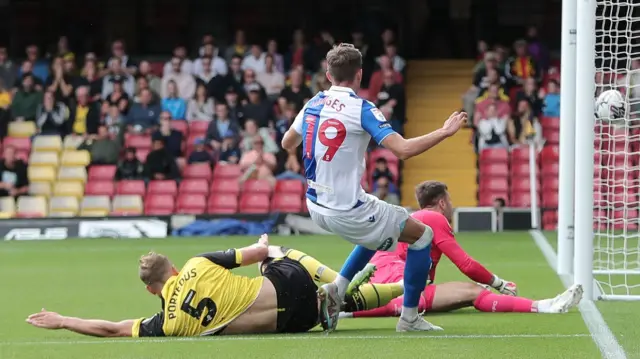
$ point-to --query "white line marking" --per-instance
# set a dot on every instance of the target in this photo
(600, 332)
(320, 336)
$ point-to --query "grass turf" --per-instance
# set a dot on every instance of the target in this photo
(98, 278)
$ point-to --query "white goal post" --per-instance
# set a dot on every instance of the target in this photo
(598, 214)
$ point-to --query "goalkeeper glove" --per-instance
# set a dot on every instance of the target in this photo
(504, 287)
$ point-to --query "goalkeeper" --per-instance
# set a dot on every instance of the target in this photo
(436, 211)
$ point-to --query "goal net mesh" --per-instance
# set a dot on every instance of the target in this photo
(617, 151)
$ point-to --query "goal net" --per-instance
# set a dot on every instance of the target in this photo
(616, 266)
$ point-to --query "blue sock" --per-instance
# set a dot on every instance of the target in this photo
(416, 272)
(356, 261)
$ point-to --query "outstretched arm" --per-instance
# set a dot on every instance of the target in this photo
(234, 258)
(93, 327)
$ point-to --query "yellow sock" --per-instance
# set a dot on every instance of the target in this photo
(318, 271)
(371, 296)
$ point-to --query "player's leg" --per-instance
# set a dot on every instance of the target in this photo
(488, 301)
(370, 296)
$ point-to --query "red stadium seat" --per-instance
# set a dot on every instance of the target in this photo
(168, 187)
(497, 169)
(225, 186)
(493, 184)
(286, 202)
(19, 143)
(254, 203)
(552, 136)
(138, 141)
(552, 123)
(549, 199)
(520, 155)
(549, 154)
(392, 160)
(550, 184)
(549, 220)
(191, 203)
(197, 170)
(131, 187)
(494, 155)
(521, 184)
(304, 205)
(625, 219)
(157, 68)
(221, 203)
(227, 171)
(486, 198)
(194, 186)
(102, 172)
(198, 128)
(125, 213)
(142, 153)
(100, 188)
(550, 170)
(257, 186)
(159, 204)
(182, 126)
(290, 186)
(520, 169)
(520, 200)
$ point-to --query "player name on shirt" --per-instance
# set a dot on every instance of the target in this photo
(332, 102)
(173, 300)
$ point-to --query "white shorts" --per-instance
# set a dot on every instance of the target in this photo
(375, 225)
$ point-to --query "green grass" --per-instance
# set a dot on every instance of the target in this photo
(98, 278)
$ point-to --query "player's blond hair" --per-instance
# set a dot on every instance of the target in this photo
(153, 267)
(343, 62)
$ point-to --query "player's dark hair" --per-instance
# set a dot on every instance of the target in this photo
(343, 62)
(428, 193)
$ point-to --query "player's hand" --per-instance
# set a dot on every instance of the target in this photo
(508, 288)
(264, 240)
(454, 123)
(46, 319)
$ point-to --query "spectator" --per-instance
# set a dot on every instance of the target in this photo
(185, 82)
(215, 64)
(250, 82)
(103, 149)
(238, 48)
(491, 130)
(257, 163)
(488, 72)
(493, 77)
(142, 83)
(271, 79)
(8, 69)
(51, 116)
(62, 47)
(391, 52)
(322, 45)
(524, 125)
(208, 39)
(27, 70)
(234, 77)
(116, 71)
(251, 131)
(381, 170)
(201, 106)
(126, 64)
(254, 60)
(391, 100)
(319, 81)
(118, 96)
(84, 115)
(278, 61)
(185, 66)
(89, 77)
(200, 153)
(205, 74)
(160, 164)
(291, 169)
(387, 37)
(171, 138)
(375, 84)
(40, 67)
(172, 103)
(297, 93)
(299, 53)
(284, 122)
(357, 39)
(26, 100)
(383, 193)
(129, 168)
(537, 49)
(258, 108)
(530, 93)
(153, 82)
(5, 109)
(220, 125)
(229, 150)
(114, 120)
(13, 175)
(495, 97)
(522, 66)
(143, 116)
(481, 49)
(69, 66)
(236, 110)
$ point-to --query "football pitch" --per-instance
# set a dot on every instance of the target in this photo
(97, 278)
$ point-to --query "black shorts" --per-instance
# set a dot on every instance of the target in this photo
(296, 292)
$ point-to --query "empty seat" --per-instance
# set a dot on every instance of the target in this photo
(493, 184)
(72, 142)
(72, 189)
(72, 174)
(549, 199)
(138, 141)
(549, 220)
(552, 123)
(497, 169)
(41, 174)
(19, 143)
(31, 207)
(550, 153)
(63, 206)
(520, 200)
(95, 206)
(520, 154)
(286, 202)
(136, 187)
(127, 204)
(163, 187)
(290, 186)
(40, 189)
(50, 159)
(194, 186)
(254, 203)
(222, 203)
(142, 153)
(486, 198)
(182, 126)
(76, 158)
(24, 129)
(197, 170)
(550, 184)
(198, 128)
(100, 188)
(227, 171)
(521, 169)
(552, 136)
(494, 155)
(159, 204)
(191, 203)
(257, 186)
(522, 184)
(102, 172)
(550, 170)
(7, 207)
(47, 143)
(231, 186)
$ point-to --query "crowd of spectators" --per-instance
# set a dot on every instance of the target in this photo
(244, 95)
